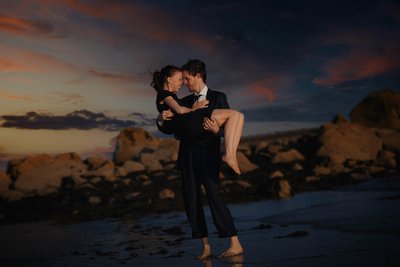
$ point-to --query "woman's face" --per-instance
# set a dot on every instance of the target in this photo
(174, 82)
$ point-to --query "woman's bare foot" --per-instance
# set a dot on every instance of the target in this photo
(232, 162)
(206, 253)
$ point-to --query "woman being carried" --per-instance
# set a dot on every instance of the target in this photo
(188, 122)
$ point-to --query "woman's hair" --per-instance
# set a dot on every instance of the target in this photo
(194, 67)
(160, 77)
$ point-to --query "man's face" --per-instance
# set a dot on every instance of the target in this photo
(192, 82)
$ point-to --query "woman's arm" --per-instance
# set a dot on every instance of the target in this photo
(170, 101)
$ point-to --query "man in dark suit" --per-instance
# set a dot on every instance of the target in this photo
(199, 162)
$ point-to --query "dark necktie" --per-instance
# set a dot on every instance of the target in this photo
(196, 98)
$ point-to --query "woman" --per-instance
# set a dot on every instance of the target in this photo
(188, 122)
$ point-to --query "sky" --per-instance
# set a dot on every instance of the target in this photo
(78, 71)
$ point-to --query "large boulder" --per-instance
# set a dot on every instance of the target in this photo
(390, 139)
(244, 163)
(43, 174)
(348, 141)
(131, 142)
(167, 151)
(287, 156)
(379, 109)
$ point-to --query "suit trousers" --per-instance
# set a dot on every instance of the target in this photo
(201, 168)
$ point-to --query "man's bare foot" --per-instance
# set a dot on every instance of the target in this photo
(232, 162)
(206, 253)
(232, 251)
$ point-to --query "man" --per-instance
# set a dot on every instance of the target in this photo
(199, 162)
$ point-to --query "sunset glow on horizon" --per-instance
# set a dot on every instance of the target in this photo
(79, 70)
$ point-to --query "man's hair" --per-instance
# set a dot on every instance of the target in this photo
(194, 67)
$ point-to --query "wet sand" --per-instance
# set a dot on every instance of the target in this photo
(353, 226)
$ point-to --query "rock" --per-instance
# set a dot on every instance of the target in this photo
(312, 179)
(261, 146)
(43, 174)
(359, 176)
(224, 183)
(276, 174)
(94, 200)
(146, 183)
(375, 169)
(349, 141)
(172, 177)
(339, 118)
(288, 156)
(338, 168)
(321, 170)
(285, 190)
(336, 159)
(126, 182)
(166, 194)
(101, 167)
(294, 234)
(380, 109)
(245, 165)
(390, 139)
(131, 142)
(274, 149)
(150, 162)
(167, 151)
(142, 177)
(243, 184)
(120, 171)
(386, 159)
(297, 167)
(95, 180)
(245, 149)
(133, 195)
(133, 166)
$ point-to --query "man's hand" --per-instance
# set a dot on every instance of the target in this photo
(166, 115)
(210, 125)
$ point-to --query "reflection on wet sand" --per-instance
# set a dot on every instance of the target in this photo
(234, 261)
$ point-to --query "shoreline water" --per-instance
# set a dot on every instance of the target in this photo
(355, 225)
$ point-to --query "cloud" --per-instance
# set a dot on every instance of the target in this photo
(11, 96)
(139, 20)
(22, 60)
(113, 76)
(360, 64)
(81, 119)
(24, 26)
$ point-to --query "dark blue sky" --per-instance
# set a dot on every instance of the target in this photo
(275, 60)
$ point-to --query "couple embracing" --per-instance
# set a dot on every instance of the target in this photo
(198, 121)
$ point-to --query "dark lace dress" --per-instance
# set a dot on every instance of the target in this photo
(186, 126)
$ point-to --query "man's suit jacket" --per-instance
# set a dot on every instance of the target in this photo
(210, 142)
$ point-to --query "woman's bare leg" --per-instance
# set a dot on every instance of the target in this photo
(206, 249)
(232, 121)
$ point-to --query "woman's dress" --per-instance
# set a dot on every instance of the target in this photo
(186, 126)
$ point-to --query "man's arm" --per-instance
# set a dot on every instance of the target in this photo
(162, 122)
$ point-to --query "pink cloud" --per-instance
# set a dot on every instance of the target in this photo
(358, 65)
(268, 87)
(24, 26)
(11, 96)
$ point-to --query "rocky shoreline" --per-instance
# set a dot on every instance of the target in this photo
(143, 178)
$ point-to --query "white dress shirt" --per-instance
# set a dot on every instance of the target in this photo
(203, 93)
